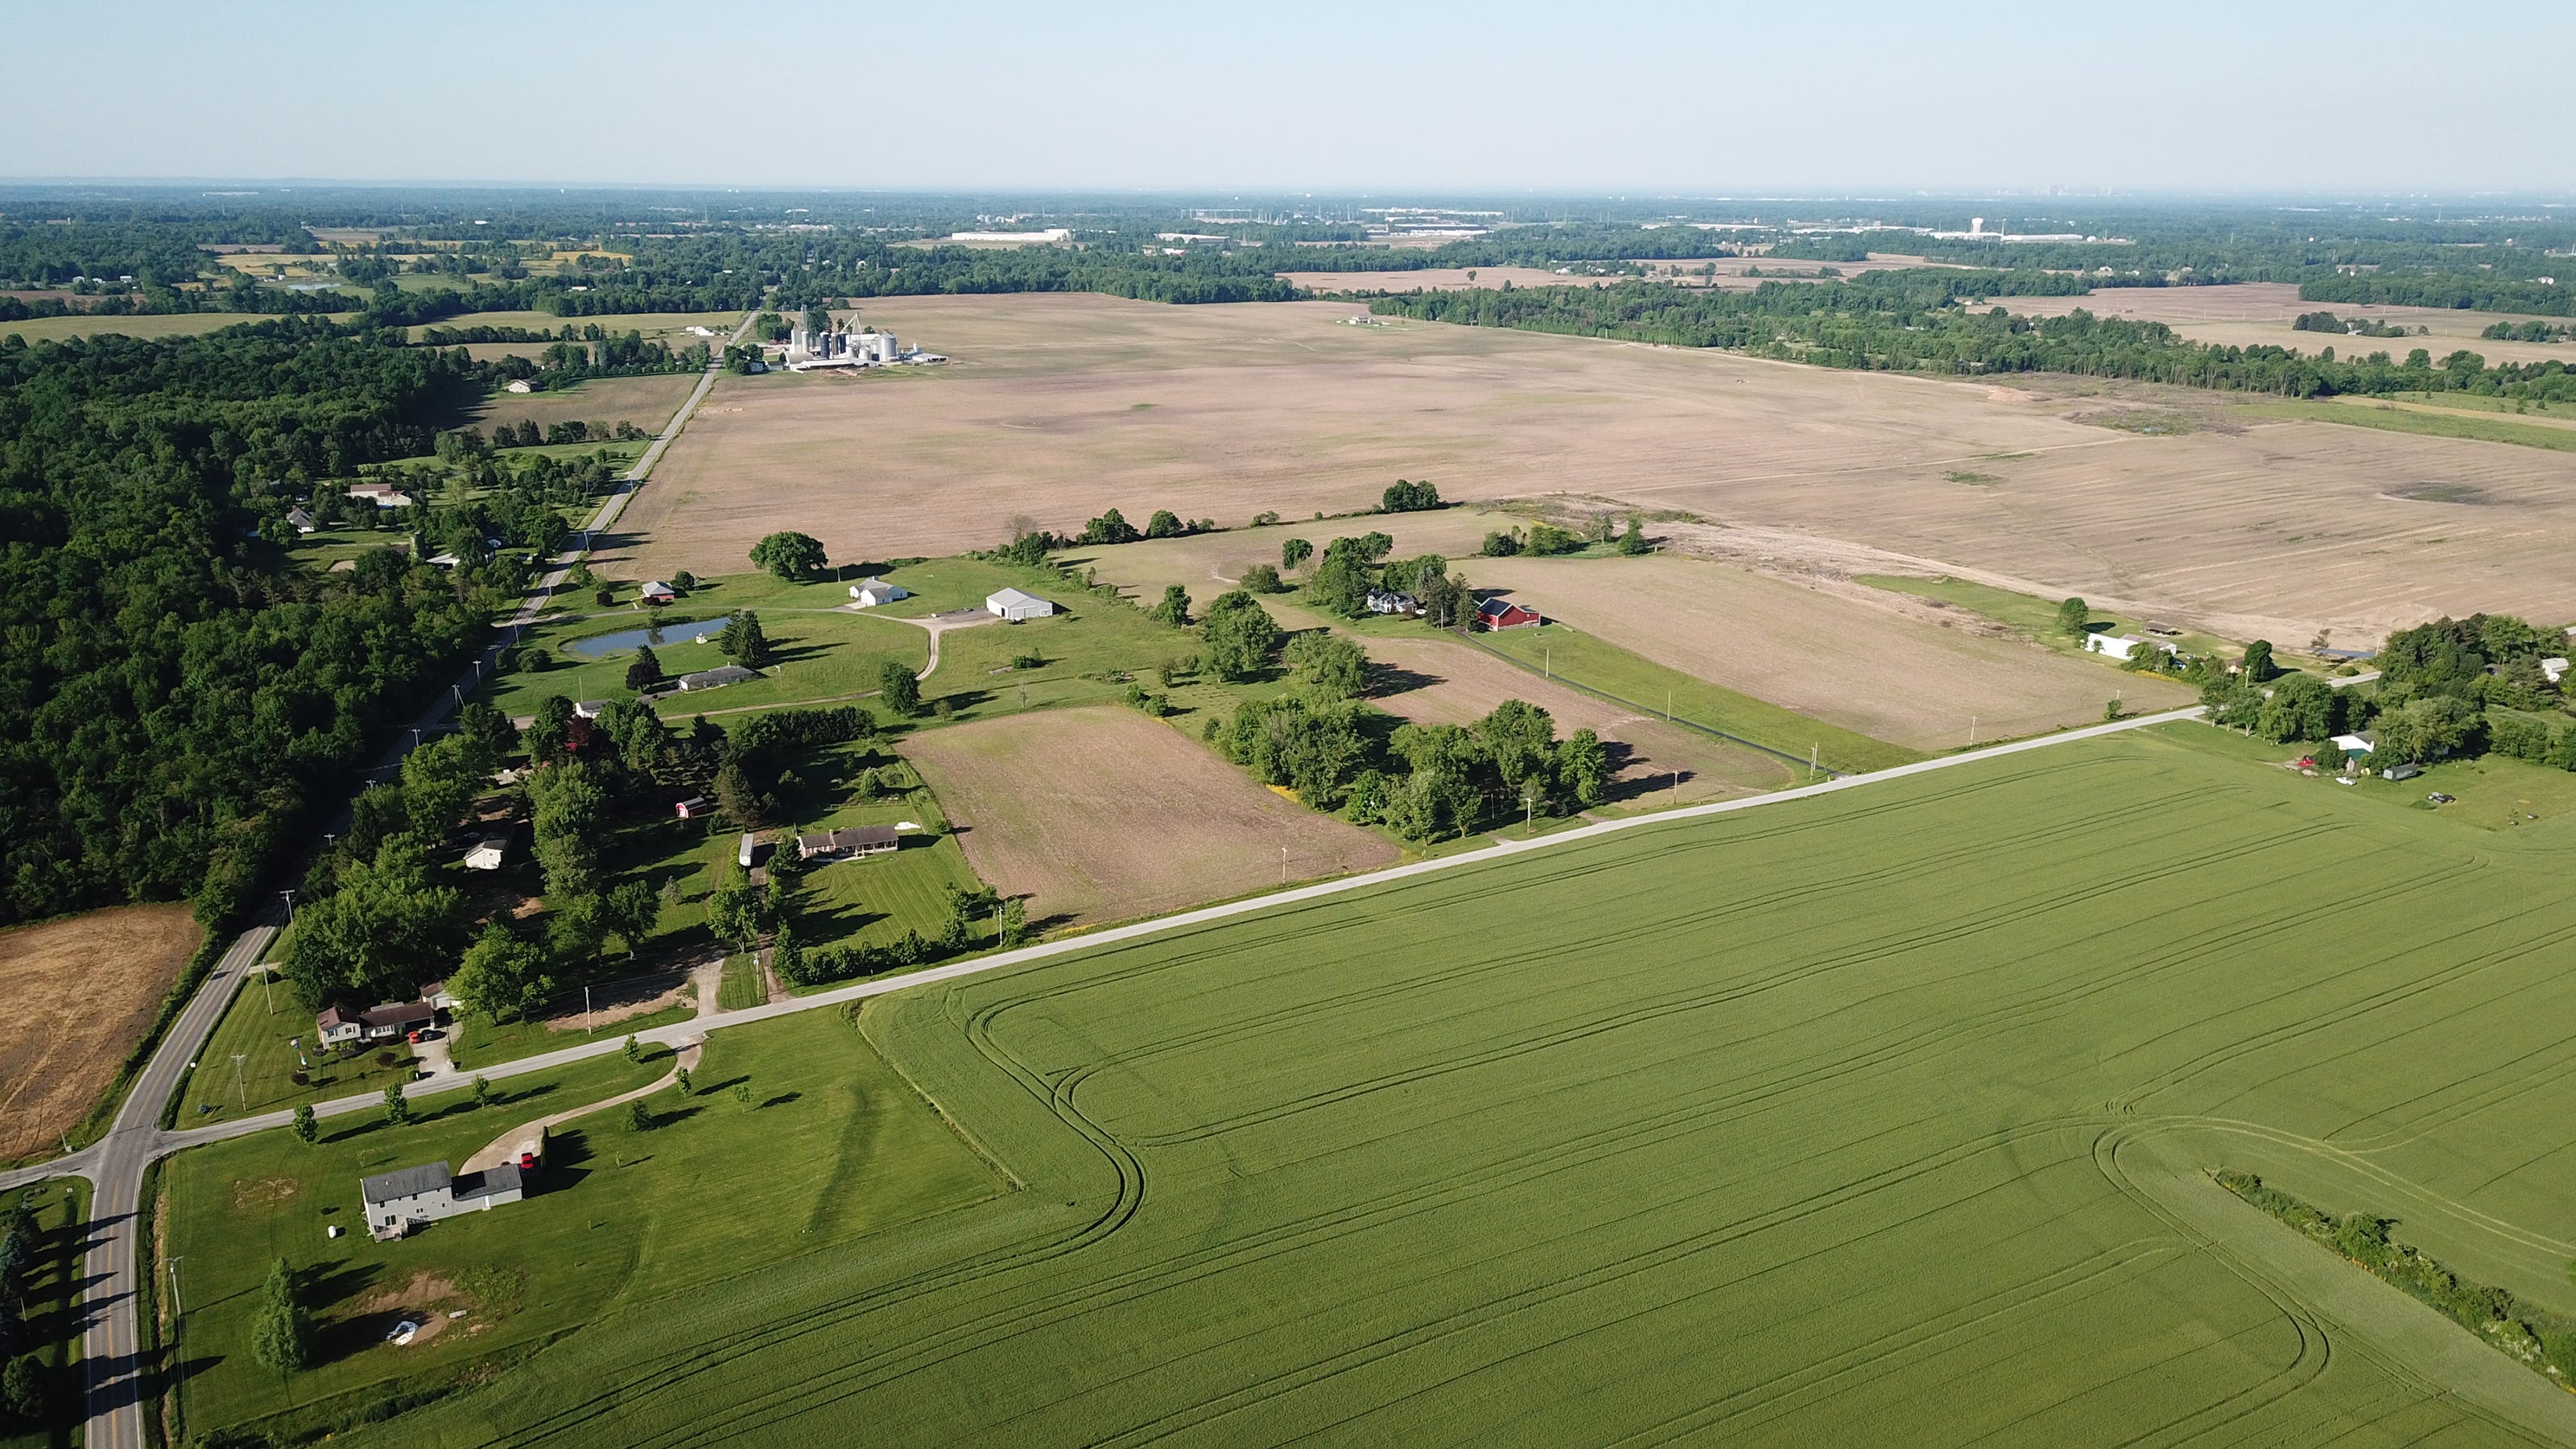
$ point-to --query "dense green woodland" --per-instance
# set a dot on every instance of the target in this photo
(176, 699)
(1913, 320)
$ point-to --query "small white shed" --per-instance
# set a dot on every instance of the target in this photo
(1014, 605)
(868, 593)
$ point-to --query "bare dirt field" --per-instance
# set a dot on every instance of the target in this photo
(1436, 681)
(75, 996)
(1059, 406)
(1860, 664)
(647, 402)
(2258, 314)
(1100, 815)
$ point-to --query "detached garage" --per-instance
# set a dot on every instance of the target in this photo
(1014, 605)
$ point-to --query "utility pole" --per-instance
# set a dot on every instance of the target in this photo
(240, 1085)
(1547, 659)
(585, 1009)
(1972, 731)
(178, 1309)
(290, 905)
(1283, 865)
(1812, 751)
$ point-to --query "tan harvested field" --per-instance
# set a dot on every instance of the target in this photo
(1861, 664)
(1059, 406)
(1438, 681)
(647, 402)
(1102, 814)
(2258, 314)
(75, 996)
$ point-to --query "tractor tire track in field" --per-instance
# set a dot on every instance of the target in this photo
(2120, 1141)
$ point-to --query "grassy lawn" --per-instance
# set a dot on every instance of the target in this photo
(820, 654)
(478, 1043)
(2390, 417)
(52, 1309)
(1882, 1117)
(873, 900)
(745, 984)
(1586, 662)
(831, 1147)
(2491, 792)
(262, 1027)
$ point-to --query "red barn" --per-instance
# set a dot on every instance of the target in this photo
(1504, 614)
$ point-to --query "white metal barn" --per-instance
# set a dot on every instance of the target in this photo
(1014, 605)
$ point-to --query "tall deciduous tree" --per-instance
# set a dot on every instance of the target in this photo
(789, 555)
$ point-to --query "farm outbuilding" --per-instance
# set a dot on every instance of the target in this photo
(717, 678)
(868, 593)
(1014, 605)
(1504, 614)
(848, 842)
(695, 807)
(654, 591)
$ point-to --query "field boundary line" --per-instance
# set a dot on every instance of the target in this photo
(1653, 713)
(681, 1032)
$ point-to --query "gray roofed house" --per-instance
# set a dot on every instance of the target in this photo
(301, 521)
(398, 1201)
(718, 677)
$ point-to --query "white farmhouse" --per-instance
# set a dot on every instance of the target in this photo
(397, 1202)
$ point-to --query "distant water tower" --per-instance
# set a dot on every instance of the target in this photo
(1976, 226)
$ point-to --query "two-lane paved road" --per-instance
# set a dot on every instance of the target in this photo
(115, 1164)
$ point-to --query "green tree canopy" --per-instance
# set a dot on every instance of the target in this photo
(1240, 636)
(790, 555)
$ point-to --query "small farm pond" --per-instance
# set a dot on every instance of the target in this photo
(599, 645)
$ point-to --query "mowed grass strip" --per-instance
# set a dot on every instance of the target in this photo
(831, 1145)
(1589, 662)
(1818, 1123)
(2425, 422)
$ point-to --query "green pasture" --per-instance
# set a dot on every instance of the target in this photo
(1585, 661)
(1882, 1117)
(2390, 418)
(475, 1043)
(51, 1310)
(818, 654)
(831, 1147)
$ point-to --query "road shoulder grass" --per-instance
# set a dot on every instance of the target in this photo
(813, 1140)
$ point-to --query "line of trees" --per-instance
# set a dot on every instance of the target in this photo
(1914, 321)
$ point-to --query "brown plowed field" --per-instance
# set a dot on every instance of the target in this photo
(1060, 406)
(1435, 681)
(1871, 669)
(1100, 815)
(75, 996)
(647, 402)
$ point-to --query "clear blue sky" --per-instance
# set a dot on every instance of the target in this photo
(1316, 95)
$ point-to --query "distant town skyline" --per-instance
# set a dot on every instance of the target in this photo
(1850, 97)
